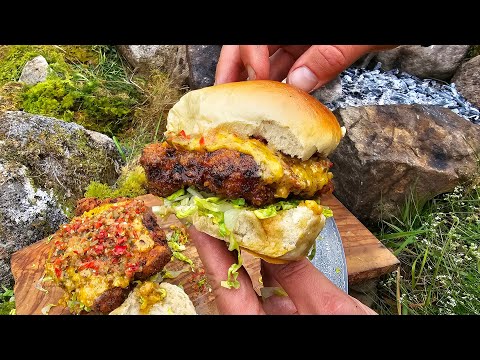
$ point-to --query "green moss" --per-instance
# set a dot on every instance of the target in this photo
(130, 184)
(86, 84)
(473, 51)
(86, 104)
(13, 59)
(81, 54)
(10, 96)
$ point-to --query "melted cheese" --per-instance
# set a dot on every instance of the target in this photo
(269, 163)
(291, 175)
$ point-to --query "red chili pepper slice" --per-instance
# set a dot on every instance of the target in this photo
(202, 141)
(58, 272)
(88, 265)
(121, 240)
(183, 135)
(131, 269)
(119, 250)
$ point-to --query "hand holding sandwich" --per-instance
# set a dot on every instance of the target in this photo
(309, 291)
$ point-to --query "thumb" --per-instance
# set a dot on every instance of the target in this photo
(322, 63)
(311, 291)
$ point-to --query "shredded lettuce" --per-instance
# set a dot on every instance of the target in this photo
(266, 292)
(181, 257)
(207, 204)
(176, 194)
(186, 211)
(265, 213)
(194, 192)
(167, 274)
(223, 212)
(327, 212)
(285, 205)
(271, 210)
(46, 309)
(238, 202)
(176, 246)
(232, 273)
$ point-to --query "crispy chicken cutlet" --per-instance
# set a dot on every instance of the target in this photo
(96, 257)
(231, 173)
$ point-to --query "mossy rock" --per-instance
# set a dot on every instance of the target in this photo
(45, 166)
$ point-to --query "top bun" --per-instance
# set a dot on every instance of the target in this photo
(289, 119)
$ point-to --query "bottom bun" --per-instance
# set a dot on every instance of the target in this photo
(288, 236)
(176, 302)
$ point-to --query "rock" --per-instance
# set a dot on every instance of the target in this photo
(34, 71)
(168, 59)
(389, 150)
(467, 80)
(329, 92)
(202, 61)
(434, 61)
(45, 166)
(27, 214)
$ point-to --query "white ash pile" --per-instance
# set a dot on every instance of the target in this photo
(377, 87)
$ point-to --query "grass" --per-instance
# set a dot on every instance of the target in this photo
(438, 247)
(150, 119)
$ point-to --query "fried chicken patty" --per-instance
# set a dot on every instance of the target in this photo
(229, 173)
(98, 255)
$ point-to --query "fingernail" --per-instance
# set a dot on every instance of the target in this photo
(303, 78)
(251, 73)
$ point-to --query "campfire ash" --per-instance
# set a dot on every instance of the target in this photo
(377, 87)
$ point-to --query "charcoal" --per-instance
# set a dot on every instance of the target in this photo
(378, 87)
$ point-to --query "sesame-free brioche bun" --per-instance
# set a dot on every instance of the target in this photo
(286, 237)
(289, 119)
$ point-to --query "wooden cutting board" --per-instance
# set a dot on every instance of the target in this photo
(366, 258)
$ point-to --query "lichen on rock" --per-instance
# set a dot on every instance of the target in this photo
(27, 213)
(45, 166)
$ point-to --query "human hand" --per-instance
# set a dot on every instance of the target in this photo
(305, 66)
(309, 291)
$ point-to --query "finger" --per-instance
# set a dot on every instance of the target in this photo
(275, 305)
(230, 66)
(283, 59)
(322, 63)
(312, 292)
(280, 64)
(256, 60)
(217, 259)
